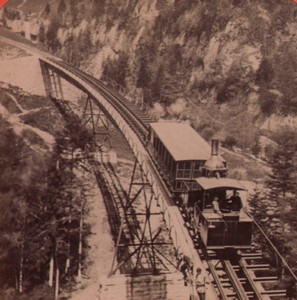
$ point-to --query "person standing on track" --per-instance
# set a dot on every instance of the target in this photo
(185, 267)
(200, 281)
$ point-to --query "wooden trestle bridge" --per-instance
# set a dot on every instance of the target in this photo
(109, 107)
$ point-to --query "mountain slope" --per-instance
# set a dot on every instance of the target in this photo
(222, 56)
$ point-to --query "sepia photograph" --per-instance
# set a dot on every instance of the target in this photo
(148, 149)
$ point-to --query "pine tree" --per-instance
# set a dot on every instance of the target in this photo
(143, 76)
(52, 35)
(42, 34)
(282, 180)
(74, 13)
(157, 85)
(283, 164)
(85, 42)
(62, 7)
(256, 147)
(47, 9)
(20, 185)
(98, 8)
(122, 69)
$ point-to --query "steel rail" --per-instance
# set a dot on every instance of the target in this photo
(170, 212)
(273, 247)
(216, 278)
(116, 100)
(256, 287)
(240, 292)
(175, 223)
(125, 113)
(141, 130)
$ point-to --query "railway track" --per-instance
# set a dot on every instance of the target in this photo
(229, 276)
(232, 280)
(133, 115)
(238, 277)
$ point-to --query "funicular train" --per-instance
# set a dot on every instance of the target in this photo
(197, 175)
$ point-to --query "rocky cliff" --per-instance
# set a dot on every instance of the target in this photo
(228, 65)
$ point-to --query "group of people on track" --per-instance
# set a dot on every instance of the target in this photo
(198, 280)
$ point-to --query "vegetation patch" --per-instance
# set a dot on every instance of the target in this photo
(46, 119)
(7, 102)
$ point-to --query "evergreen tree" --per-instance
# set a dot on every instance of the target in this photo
(143, 75)
(98, 8)
(157, 85)
(283, 164)
(85, 42)
(52, 35)
(256, 147)
(265, 73)
(42, 36)
(117, 70)
(74, 13)
(66, 208)
(47, 9)
(20, 185)
(62, 7)
(122, 69)
(282, 181)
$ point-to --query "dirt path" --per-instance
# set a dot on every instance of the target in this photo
(100, 243)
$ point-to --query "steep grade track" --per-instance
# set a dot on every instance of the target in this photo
(139, 125)
(232, 280)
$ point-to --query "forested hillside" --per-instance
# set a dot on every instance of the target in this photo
(42, 196)
(226, 65)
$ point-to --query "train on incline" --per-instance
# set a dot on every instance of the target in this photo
(197, 175)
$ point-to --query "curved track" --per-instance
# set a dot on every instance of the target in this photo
(231, 281)
(134, 126)
(238, 281)
(129, 111)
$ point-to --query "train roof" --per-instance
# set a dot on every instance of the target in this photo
(182, 141)
(215, 183)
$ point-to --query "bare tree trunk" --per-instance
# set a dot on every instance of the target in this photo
(70, 55)
(282, 273)
(67, 266)
(21, 268)
(51, 272)
(16, 279)
(57, 283)
(80, 245)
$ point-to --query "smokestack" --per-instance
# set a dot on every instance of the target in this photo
(215, 165)
(214, 147)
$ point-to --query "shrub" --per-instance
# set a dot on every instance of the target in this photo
(265, 73)
(207, 133)
(230, 141)
(267, 102)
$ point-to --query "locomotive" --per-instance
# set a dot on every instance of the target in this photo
(197, 175)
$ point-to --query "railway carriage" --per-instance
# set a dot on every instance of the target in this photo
(226, 228)
(181, 154)
(197, 174)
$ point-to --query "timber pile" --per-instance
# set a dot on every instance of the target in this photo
(145, 287)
